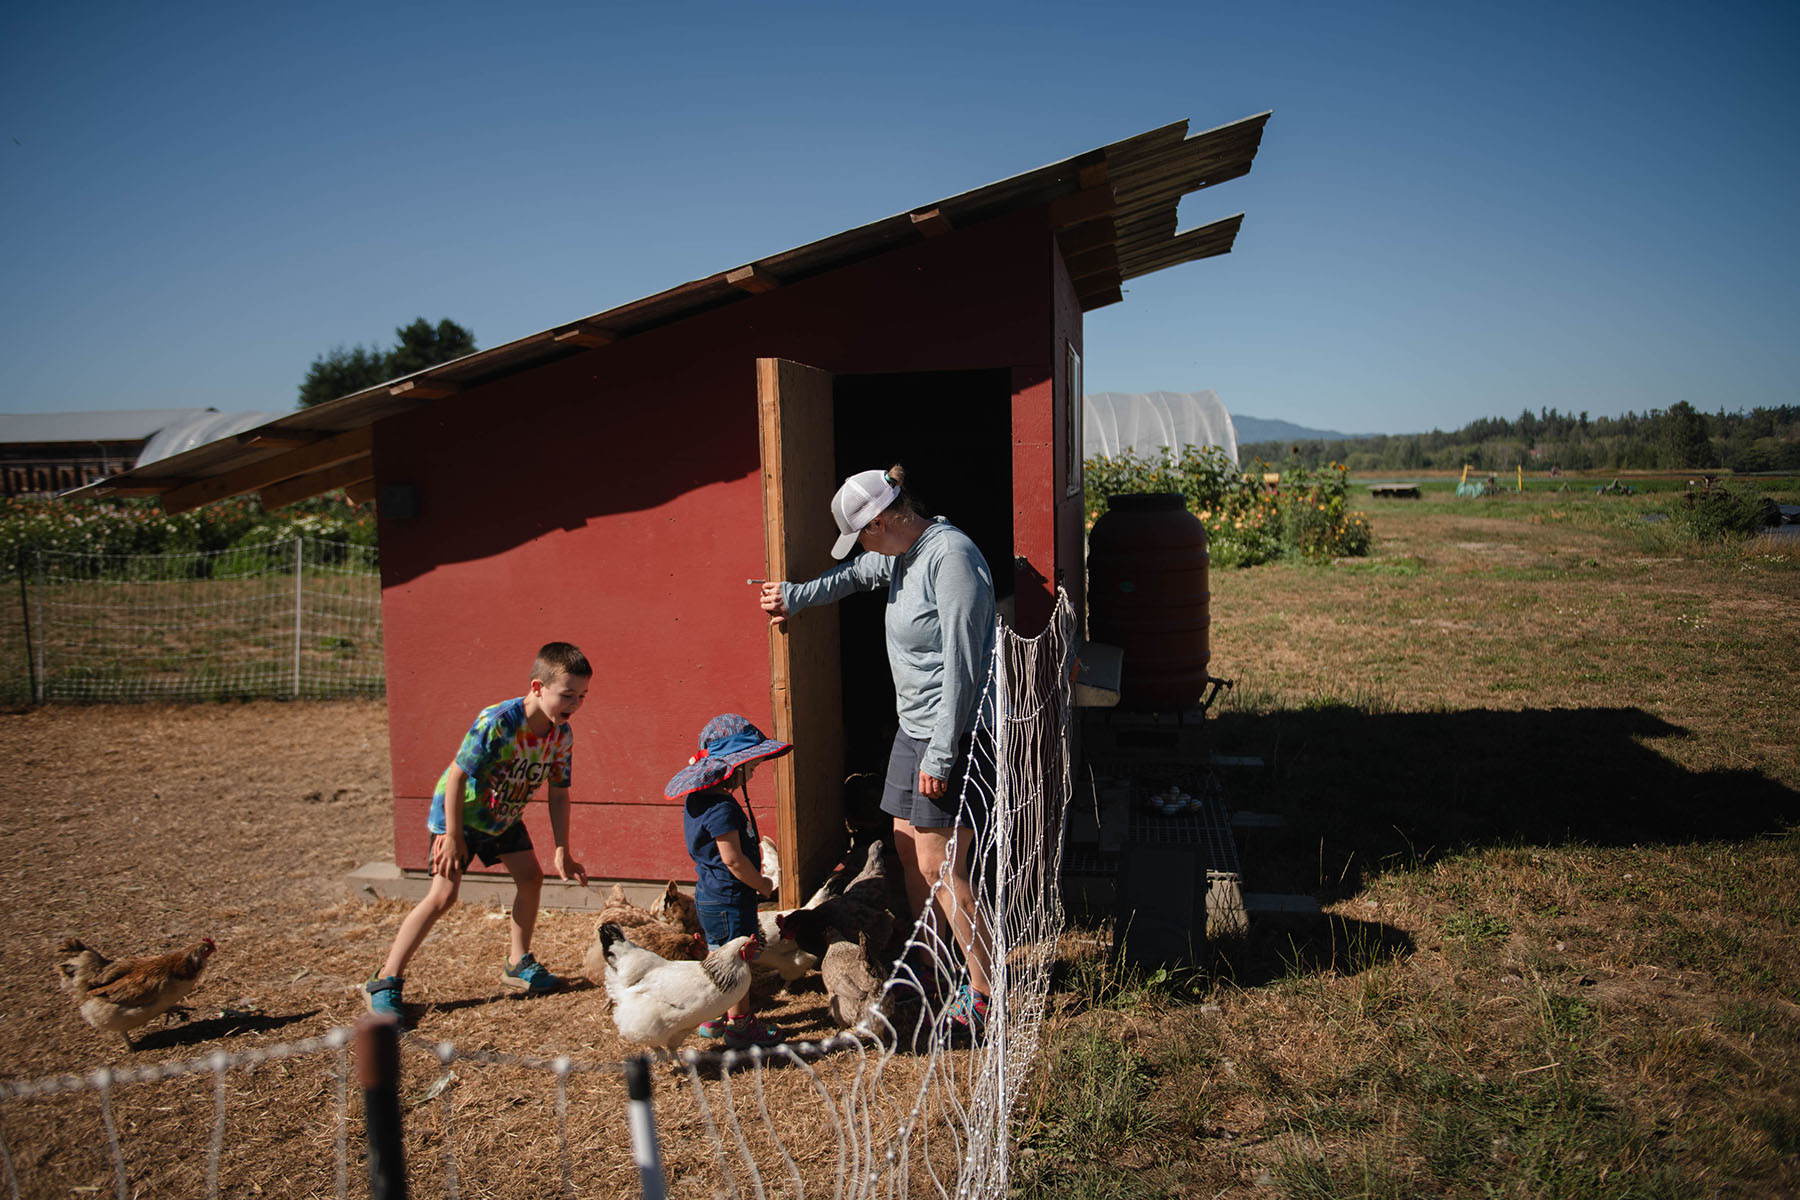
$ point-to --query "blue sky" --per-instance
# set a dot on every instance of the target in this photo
(1458, 211)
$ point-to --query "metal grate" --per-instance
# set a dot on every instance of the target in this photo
(1207, 827)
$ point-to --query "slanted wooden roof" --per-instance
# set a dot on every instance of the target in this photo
(1113, 210)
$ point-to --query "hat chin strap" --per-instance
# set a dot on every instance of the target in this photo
(749, 812)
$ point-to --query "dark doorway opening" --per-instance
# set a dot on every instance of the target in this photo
(952, 431)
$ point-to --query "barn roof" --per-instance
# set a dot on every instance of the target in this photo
(1113, 210)
(124, 425)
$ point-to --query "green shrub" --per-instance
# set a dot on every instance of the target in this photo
(1713, 510)
(1249, 520)
(29, 526)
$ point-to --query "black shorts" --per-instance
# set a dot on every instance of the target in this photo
(489, 847)
(900, 795)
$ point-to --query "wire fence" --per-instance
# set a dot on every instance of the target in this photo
(907, 1101)
(298, 618)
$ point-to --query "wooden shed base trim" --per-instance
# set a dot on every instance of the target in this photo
(385, 881)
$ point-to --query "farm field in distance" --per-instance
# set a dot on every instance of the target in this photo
(1539, 761)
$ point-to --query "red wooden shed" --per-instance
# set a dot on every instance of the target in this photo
(615, 481)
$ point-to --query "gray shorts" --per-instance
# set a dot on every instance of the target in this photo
(900, 795)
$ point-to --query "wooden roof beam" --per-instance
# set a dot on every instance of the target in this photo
(1097, 261)
(141, 486)
(931, 222)
(333, 450)
(1079, 207)
(1091, 236)
(1100, 299)
(424, 389)
(304, 487)
(276, 439)
(583, 334)
(752, 279)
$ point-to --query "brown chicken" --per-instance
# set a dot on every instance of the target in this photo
(120, 996)
(664, 931)
(855, 974)
(677, 908)
(663, 940)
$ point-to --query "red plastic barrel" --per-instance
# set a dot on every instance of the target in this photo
(1148, 594)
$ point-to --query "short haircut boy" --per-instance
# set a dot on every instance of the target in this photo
(560, 658)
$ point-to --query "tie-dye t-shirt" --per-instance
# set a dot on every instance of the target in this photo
(505, 763)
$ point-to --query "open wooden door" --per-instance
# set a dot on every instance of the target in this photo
(805, 685)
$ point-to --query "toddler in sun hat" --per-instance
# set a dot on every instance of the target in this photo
(723, 841)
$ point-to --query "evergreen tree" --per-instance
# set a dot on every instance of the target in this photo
(1684, 441)
(417, 346)
(341, 372)
(423, 345)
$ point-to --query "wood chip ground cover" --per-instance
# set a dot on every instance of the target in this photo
(143, 828)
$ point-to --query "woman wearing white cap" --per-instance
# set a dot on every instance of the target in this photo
(940, 635)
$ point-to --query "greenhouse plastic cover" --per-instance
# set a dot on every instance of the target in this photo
(1150, 424)
(205, 425)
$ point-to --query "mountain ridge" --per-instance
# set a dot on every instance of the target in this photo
(1261, 429)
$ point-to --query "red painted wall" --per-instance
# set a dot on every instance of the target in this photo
(614, 500)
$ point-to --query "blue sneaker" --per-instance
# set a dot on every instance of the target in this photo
(969, 1009)
(713, 1029)
(383, 995)
(529, 976)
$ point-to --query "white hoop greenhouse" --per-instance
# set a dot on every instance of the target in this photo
(1150, 424)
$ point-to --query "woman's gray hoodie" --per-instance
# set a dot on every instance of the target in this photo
(940, 630)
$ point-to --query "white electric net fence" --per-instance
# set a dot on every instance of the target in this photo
(908, 1102)
(295, 618)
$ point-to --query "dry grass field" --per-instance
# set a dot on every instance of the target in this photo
(1539, 760)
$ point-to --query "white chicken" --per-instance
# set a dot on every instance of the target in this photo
(781, 959)
(771, 861)
(657, 1002)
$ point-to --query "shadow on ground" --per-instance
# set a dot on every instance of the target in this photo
(1361, 792)
(211, 1029)
(1330, 945)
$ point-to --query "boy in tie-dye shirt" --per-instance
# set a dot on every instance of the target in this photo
(511, 750)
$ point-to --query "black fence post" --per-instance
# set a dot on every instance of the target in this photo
(25, 623)
(642, 1123)
(378, 1071)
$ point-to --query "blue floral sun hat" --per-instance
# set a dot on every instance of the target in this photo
(727, 743)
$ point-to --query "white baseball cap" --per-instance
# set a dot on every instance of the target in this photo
(863, 497)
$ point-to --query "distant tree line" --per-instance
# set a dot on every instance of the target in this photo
(1679, 438)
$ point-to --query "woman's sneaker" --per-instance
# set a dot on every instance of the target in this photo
(529, 976)
(383, 995)
(744, 1032)
(714, 1028)
(969, 1009)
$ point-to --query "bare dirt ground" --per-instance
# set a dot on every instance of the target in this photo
(142, 829)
